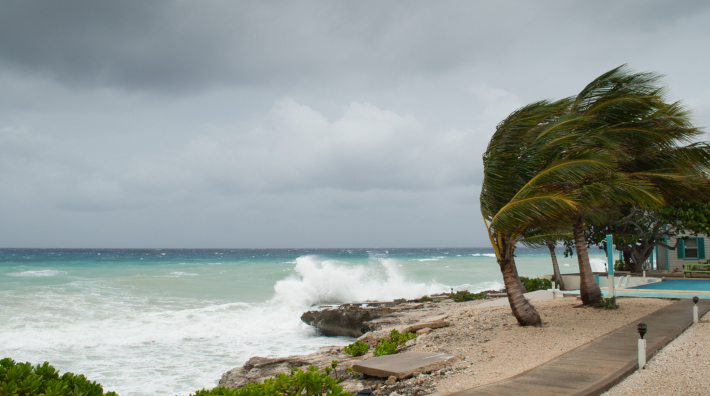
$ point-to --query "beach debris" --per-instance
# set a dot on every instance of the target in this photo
(404, 365)
(432, 325)
(405, 306)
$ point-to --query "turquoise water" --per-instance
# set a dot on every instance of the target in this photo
(169, 322)
(676, 284)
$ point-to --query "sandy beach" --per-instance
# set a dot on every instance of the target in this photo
(493, 347)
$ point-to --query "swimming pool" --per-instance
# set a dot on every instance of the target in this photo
(676, 284)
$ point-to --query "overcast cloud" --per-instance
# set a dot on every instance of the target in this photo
(294, 124)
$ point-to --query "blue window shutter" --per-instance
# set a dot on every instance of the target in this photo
(681, 249)
(701, 248)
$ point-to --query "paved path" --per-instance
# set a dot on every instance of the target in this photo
(598, 365)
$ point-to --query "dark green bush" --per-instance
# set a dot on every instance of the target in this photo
(310, 382)
(532, 284)
(356, 349)
(619, 265)
(608, 303)
(425, 299)
(465, 295)
(22, 379)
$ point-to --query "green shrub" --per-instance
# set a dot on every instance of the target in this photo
(425, 299)
(619, 265)
(532, 284)
(608, 303)
(356, 349)
(310, 382)
(465, 295)
(397, 339)
(385, 347)
(22, 379)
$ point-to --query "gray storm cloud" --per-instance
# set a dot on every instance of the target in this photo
(282, 124)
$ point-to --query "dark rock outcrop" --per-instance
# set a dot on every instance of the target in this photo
(349, 321)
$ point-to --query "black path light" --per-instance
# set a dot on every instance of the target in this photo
(695, 309)
(642, 328)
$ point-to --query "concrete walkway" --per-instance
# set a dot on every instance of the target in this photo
(593, 368)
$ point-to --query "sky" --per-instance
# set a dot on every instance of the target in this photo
(282, 124)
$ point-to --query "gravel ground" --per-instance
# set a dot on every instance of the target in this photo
(681, 368)
(493, 347)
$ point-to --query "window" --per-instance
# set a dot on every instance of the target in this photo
(691, 248)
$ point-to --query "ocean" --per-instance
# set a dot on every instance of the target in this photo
(171, 321)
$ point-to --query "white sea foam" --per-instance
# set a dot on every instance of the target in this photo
(112, 335)
(481, 286)
(329, 282)
(176, 274)
(38, 273)
(597, 264)
(483, 255)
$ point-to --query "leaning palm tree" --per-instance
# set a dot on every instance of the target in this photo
(560, 164)
(625, 115)
(519, 170)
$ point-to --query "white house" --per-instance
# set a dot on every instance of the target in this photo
(691, 249)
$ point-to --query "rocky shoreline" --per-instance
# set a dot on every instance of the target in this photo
(486, 343)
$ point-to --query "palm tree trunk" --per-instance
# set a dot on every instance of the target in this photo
(588, 288)
(524, 312)
(555, 266)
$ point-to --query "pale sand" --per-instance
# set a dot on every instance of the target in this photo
(681, 368)
(494, 347)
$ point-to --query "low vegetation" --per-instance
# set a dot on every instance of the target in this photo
(396, 339)
(608, 303)
(298, 382)
(23, 379)
(532, 284)
(465, 295)
(425, 299)
(356, 349)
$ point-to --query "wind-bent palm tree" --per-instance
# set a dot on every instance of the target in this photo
(515, 196)
(551, 163)
(625, 115)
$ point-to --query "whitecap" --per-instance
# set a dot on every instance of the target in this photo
(180, 273)
(320, 281)
(598, 264)
(38, 273)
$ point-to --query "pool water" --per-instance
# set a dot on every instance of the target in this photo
(677, 284)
